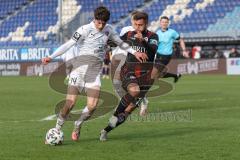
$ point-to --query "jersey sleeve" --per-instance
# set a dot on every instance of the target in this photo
(80, 34)
(125, 30)
(124, 36)
(119, 41)
(152, 43)
(63, 48)
(176, 35)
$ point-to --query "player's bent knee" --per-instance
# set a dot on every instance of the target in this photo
(91, 108)
(130, 108)
(113, 121)
(92, 105)
(134, 90)
(118, 119)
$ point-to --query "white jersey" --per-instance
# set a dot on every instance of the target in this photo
(89, 46)
(69, 54)
(91, 41)
(126, 29)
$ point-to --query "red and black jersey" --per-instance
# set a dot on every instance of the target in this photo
(149, 46)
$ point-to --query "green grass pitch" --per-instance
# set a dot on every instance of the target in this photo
(212, 131)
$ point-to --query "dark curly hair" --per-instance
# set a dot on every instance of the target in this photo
(102, 13)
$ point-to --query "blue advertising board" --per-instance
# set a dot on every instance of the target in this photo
(31, 54)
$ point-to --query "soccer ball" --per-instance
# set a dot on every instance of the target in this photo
(54, 137)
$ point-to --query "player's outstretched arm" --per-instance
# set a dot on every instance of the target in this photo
(61, 50)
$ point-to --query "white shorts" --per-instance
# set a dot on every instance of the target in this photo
(83, 80)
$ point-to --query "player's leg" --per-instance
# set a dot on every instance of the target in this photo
(143, 106)
(104, 72)
(93, 91)
(116, 120)
(92, 100)
(71, 98)
(124, 108)
(107, 71)
(145, 84)
(162, 61)
(175, 76)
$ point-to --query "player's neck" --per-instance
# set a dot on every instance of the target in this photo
(164, 29)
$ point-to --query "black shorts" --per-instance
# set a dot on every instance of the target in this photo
(106, 61)
(161, 61)
(144, 81)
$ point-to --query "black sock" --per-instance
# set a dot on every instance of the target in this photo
(108, 128)
(103, 71)
(167, 75)
(120, 111)
(124, 102)
(121, 119)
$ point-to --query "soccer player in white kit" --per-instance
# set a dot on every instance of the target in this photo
(90, 41)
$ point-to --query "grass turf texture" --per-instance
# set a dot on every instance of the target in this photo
(212, 133)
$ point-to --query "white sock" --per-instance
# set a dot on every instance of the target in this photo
(85, 115)
(60, 122)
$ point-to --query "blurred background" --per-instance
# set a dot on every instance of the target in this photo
(33, 29)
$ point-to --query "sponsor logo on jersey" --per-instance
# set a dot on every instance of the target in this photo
(146, 39)
(76, 36)
(107, 33)
(91, 35)
(139, 49)
(132, 77)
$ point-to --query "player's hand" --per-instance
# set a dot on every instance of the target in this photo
(139, 35)
(46, 60)
(141, 57)
(186, 54)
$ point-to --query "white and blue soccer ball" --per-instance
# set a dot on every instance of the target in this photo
(54, 137)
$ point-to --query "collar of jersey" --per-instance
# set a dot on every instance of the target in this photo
(96, 30)
(163, 31)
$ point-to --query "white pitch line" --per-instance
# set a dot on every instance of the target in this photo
(53, 117)
(49, 118)
(194, 100)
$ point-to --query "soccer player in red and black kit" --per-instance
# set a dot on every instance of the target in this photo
(135, 73)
